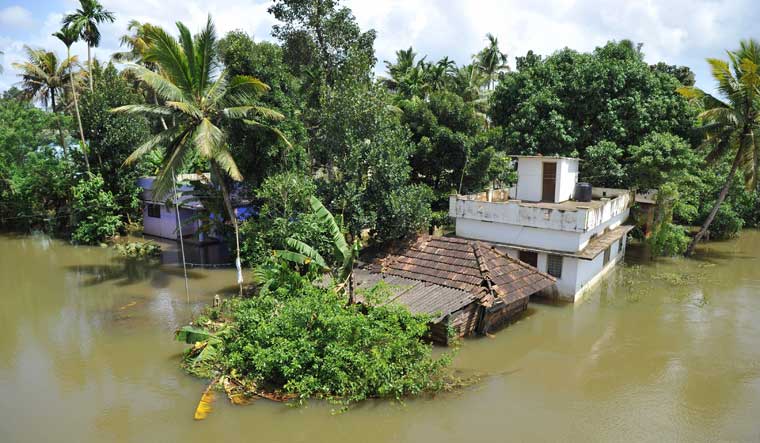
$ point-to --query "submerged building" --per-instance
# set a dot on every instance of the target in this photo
(160, 214)
(467, 287)
(570, 230)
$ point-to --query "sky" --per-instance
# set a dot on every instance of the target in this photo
(683, 32)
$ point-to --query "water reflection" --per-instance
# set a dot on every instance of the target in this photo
(123, 271)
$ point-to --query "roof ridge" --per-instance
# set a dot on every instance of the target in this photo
(485, 273)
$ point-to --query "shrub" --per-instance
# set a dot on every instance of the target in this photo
(669, 240)
(312, 344)
(96, 212)
(405, 211)
(727, 223)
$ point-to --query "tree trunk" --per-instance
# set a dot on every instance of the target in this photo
(233, 217)
(89, 66)
(155, 101)
(58, 124)
(721, 198)
(79, 118)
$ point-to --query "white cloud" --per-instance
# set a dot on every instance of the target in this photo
(676, 31)
(16, 17)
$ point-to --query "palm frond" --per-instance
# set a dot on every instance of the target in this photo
(186, 108)
(163, 86)
(274, 130)
(224, 159)
(168, 53)
(177, 150)
(208, 138)
(247, 83)
(142, 109)
(204, 55)
(236, 112)
(153, 143)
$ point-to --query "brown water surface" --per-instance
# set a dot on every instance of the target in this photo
(665, 351)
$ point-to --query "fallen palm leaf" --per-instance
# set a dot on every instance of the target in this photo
(204, 405)
(236, 392)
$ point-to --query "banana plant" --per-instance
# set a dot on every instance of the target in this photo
(344, 254)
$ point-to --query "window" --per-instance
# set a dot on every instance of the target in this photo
(529, 257)
(154, 210)
(620, 245)
(607, 255)
(554, 265)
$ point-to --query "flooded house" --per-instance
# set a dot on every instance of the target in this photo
(160, 215)
(468, 287)
(548, 219)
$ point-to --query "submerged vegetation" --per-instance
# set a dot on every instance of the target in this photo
(299, 340)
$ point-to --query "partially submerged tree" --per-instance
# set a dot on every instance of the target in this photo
(732, 125)
(199, 99)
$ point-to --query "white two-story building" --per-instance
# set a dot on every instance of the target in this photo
(542, 222)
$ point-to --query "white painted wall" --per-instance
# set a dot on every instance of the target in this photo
(567, 177)
(525, 236)
(166, 225)
(529, 179)
(578, 275)
(566, 285)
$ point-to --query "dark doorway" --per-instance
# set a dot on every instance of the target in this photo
(550, 182)
(529, 257)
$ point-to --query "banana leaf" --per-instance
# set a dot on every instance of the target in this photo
(191, 334)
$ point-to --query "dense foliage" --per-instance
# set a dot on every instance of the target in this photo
(95, 212)
(312, 344)
(570, 101)
(301, 340)
(34, 180)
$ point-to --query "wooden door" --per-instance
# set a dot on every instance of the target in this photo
(549, 182)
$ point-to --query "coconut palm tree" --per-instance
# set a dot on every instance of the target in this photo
(69, 36)
(138, 43)
(44, 79)
(86, 20)
(491, 60)
(731, 125)
(199, 98)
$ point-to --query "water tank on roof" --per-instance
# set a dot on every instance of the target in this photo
(583, 192)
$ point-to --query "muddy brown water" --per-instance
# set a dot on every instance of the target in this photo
(664, 351)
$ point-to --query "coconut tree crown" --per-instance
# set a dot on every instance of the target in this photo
(86, 20)
(43, 75)
(198, 97)
(731, 124)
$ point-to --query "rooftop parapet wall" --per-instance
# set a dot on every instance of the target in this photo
(567, 216)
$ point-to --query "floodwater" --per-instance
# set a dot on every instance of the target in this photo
(665, 351)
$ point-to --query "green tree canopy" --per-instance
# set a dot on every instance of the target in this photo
(569, 101)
